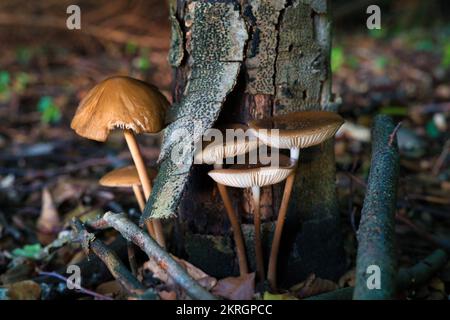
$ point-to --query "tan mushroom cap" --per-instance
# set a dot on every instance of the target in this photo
(120, 102)
(248, 175)
(124, 177)
(214, 152)
(298, 129)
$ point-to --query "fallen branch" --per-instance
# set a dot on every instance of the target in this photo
(133, 233)
(376, 231)
(408, 278)
(109, 258)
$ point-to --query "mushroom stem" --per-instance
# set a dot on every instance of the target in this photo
(141, 202)
(237, 232)
(145, 180)
(257, 223)
(272, 270)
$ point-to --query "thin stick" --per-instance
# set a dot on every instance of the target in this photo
(80, 289)
(141, 202)
(237, 232)
(145, 180)
(272, 271)
(258, 245)
(132, 232)
(109, 258)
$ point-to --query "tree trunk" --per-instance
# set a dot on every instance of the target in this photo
(285, 68)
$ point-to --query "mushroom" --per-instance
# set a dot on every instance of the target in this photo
(214, 153)
(254, 176)
(128, 104)
(293, 131)
(128, 177)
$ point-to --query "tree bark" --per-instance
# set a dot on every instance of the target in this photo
(285, 68)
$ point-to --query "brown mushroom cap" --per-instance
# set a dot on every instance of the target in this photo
(214, 152)
(124, 177)
(248, 175)
(120, 102)
(298, 129)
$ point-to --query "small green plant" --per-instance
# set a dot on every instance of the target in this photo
(142, 62)
(446, 56)
(50, 112)
(337, 58)
(31, 251)
(5, 90)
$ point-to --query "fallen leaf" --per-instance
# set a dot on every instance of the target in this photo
(313, 286)
(48, 223)
(437, 284)
(348, 279)
(201, 277)
(24, 290)
(236, 288)
(284, 296)
(167, 295)
(18, 273)
(111, 289)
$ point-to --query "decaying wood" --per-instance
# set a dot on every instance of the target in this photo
(376, 233)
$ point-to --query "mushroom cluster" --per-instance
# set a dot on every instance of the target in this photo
(134, 107)
(294, 131)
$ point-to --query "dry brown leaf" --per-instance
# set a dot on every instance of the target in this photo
(313, 286)
(68, 188)
(48, 221)
(236, 288)
(167, 295)
(24, 290)
(111, 289)
(201, 277)
(348, 279)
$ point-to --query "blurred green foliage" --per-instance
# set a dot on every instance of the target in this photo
(337, 58)
(50, 112)
(31, 251)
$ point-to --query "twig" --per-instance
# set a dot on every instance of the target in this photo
(81, 289)
(376, 232)
(133, 233)
(437, 241)
(109, 258)
(393, 135)
(441, 159)
(407, 278)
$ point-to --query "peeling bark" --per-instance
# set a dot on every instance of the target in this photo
(216, 35)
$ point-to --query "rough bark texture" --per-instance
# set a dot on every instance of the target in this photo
(285, 68)
(376, 233)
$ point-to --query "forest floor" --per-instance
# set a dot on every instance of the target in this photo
(49, 175)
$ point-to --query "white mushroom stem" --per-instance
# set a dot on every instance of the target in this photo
(257, 222)
(141, 202)
(145, 180)
(235, 226)
(272, 270)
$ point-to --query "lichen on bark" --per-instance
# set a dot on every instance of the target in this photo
(300, 62)
(176, 52)
(262, 48)
(216, 37)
